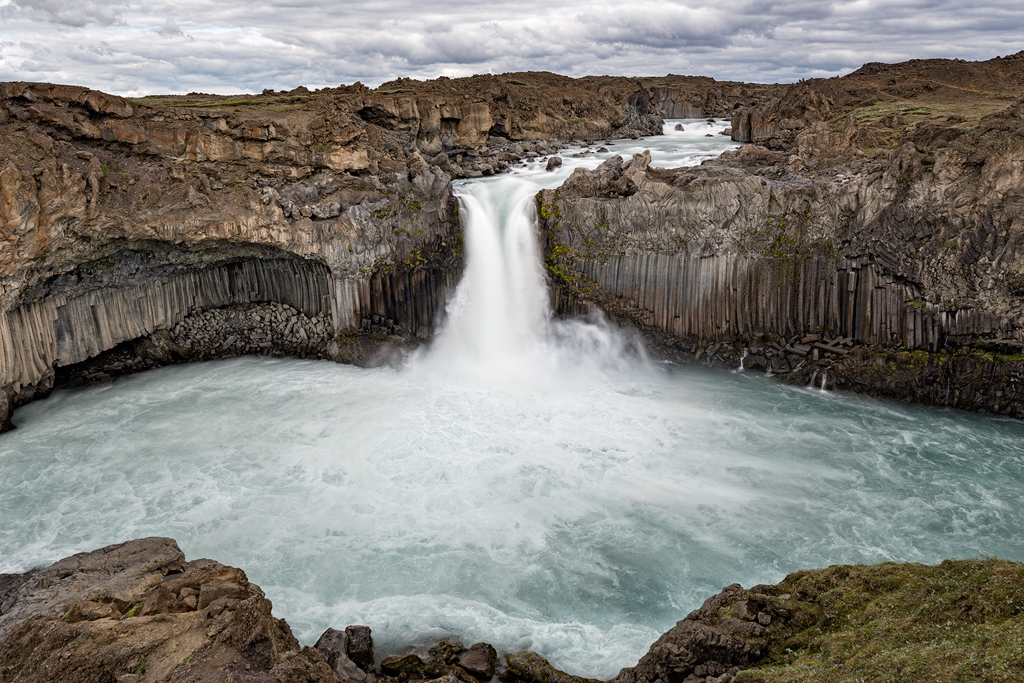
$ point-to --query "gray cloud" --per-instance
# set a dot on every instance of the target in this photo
(134, 48)
(170, 28)
(74, 14)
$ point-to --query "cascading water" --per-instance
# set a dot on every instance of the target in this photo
(499, 316)
(528, 482)
(499, 326)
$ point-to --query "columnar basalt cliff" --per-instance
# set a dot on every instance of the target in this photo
(880, 210)
(857, 220)
(123, 221)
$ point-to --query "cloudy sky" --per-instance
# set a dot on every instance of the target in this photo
(158, 46)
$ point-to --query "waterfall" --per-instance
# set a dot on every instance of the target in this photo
(500, 311)
(500, 325)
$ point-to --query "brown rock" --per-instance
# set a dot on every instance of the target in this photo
(402, 666)
(529, 667)
(746, 610)
(480, 660)
(215, 590)
(243, 640)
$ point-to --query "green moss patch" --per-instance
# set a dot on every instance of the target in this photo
(961, 620)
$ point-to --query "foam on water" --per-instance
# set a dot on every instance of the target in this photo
(537, 485)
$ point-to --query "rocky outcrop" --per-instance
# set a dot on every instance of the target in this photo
(713, 643)
(697, 97)
(138, 611)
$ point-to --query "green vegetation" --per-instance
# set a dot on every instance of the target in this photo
(143, 668)
(134, 611)
(416, 258)
(101, 595)
(559, 270)
(961, 620)
(183, 101)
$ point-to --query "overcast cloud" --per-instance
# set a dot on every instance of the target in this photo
(157, 46)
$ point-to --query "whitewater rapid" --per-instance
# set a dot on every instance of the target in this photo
(533, 483)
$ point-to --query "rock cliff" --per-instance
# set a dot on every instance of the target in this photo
(881, 210)
(124, 222)
(855, 221)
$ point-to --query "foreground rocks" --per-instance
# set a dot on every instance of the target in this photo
(138, 611)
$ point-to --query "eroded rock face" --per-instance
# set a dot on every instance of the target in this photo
(140, 609)
(120, 220)
(845, 222)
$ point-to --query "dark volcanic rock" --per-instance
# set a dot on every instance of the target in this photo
(360, 646)
(333, 645)
(480, 661)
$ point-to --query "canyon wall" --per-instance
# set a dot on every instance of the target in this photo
(883, 208)
(123, 220)
(888, 227)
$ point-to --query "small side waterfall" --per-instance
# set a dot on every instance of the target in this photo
(746, 352)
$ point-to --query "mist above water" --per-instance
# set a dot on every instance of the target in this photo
(528, 482)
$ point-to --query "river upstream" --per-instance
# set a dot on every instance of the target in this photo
(533, 483)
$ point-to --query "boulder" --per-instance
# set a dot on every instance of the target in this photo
(333, 646)
(480, 661)
(360, 646)
(403, 667)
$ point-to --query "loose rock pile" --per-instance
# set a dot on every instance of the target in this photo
(264, 329)
(494, 158)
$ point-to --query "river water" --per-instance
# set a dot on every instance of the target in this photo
(528, 482)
